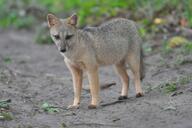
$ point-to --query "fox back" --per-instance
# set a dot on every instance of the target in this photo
(113, 40)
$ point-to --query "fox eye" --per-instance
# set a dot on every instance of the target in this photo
(57, 37)
(68, 37)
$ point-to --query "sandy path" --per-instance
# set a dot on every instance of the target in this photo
(37, 73)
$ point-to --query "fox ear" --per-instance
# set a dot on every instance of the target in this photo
(72, 20)
(52, 20)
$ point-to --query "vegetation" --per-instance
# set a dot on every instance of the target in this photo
(4, 110)
(170, 87)
(23, 13)
(49, 108)
(6, 116)
(153, 16)
(7, 60)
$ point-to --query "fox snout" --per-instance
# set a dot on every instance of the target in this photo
(63, 50)
(61, 47)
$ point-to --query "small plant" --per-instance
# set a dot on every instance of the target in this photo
(7, 60)
(6, 116)
(4, 110)
(49, 108)
(5, 103)
(170, 87)
(185, 80)
(188, 47)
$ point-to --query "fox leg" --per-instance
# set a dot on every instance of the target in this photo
(77, 84)
(94, 86)
(134, 64)
(121, 71)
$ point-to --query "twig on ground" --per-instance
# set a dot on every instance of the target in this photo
(114, 102)
(103, 86)
(158, 72)
(107, 85)
(70, 114)
(97, 124)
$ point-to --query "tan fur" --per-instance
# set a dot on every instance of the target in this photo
(115, 42)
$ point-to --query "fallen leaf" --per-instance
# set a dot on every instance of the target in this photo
(177, 41)
(158, 21)
(183, 22)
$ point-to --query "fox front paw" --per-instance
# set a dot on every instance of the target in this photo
(73, 107)
(122, 98)
(140, 94)
(91, 106)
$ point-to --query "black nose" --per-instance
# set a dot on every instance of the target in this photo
(63, 50)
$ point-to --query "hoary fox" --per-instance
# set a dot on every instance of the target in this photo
(115, 42)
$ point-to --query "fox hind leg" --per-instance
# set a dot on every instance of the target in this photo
(121, 71)
(93, 78)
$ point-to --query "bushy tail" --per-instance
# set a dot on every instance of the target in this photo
(142, 69)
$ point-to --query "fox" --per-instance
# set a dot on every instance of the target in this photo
(115, 42)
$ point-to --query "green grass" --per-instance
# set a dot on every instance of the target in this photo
(170, 87)
(184, 49)
(16, 14)
(6, 116)
(4, 113)
(185, 80)
(173, 86)
(13, 13)
(188, 47)
(188, 9)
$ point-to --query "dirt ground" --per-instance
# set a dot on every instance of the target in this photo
(37, 74)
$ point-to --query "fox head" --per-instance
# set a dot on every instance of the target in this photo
(63, 31)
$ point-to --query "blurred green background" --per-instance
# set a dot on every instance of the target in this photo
(153, 16)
